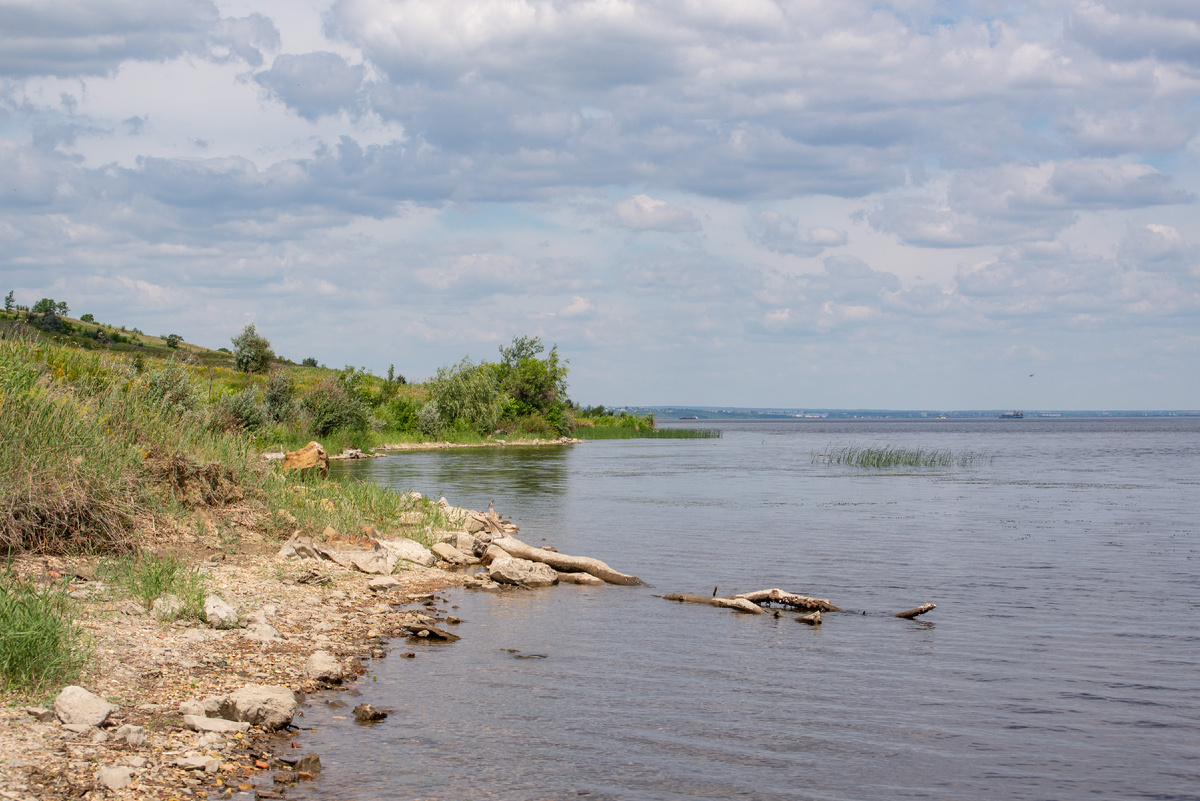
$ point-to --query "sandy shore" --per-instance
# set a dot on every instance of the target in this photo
(147, 667)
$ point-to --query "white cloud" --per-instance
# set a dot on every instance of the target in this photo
(783, 233)
(644, 213)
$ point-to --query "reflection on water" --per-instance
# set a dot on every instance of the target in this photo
(1061, 661)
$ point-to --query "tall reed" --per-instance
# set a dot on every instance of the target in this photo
(878, 457)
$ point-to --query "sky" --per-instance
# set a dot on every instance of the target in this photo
(915, 204)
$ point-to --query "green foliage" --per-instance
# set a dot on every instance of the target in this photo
(468, 395)
(148, 576)
(87, 318)
(239, 410)
(172, 340)
(251, 352)
(309, 362)
(401, 412)
(280, 397)
(334, 403)
(429, 420)
(10, 303)
(886, 456)
(40, 644)
(44, 305)
(535, 386)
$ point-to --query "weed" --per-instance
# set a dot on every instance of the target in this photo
(147, 577)
(878, 457)
(40, 644)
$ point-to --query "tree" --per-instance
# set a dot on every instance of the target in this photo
(62, 309)
(251, 352)
(535, 386)
(10, 301)
(44, 305)
(309, 362)
(172, 340)
(88, 318)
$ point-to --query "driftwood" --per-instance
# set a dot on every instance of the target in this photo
(813, 619)
(912, 613)
(789, 599)
(563, 562)
(737, 604)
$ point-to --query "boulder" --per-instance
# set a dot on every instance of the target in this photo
(205, 763)
(133, 735)
(75, 705)
(586, 579)
(261, 632)
(323, 666)
(116, 777)
(167, 607)
(375, 559)
(522, 572)
(219, 614)
(310, 458)
(383, 584)
(300, 546)
(365, 713)
(410, 551)
(466, 543)
(448, 553)
(218, 725)
(269, 707)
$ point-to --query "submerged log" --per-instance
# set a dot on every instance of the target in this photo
(790, 599)
(912, 613)
(737, 604)
(563, 562)
(813, 619)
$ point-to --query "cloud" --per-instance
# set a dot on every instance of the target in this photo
(782, 233)
(644, 213)
(579, 307)
(1159, 248)
(64, 38)
(1021, 202)
(1138, 29)
(314, 84)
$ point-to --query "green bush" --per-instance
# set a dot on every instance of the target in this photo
(280, 397)
(468, 394)
(331, 406)
(401, 413)
(148, 576)
(239, 410)
(429, 420)
(87, 318)
(40, 644)
(251, 352)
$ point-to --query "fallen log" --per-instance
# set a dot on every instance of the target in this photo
(912, 613)
(737, 604)
(813, 619)
(563, 562)
(789, 599)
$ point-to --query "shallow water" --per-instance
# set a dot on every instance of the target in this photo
(1062, 661)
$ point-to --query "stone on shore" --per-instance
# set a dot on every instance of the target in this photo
(133, 735)
(116, 777)
(219, 614)
(407, 550)
(75, 705)
(323, 666)
(310, 458)
(205, 763)
(448, 553)
(522, 572)
(383, 584)
(218, 725)
(167, 607)
(365, 713)
(265, 706)
(586, 579)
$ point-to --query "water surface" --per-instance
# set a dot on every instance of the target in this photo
(1061, 661)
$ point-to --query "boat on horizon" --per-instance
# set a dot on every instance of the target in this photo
(1013, 415)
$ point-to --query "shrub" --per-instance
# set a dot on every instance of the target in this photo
(469, 394)
(148, 576)
(44, 305)
(330, 406)
(239, 410)
(280, 397)
(309, 362)
(401, 413)
(251, 352)
(429, 420)
(172, 340)
(87, 318)
(40, 645)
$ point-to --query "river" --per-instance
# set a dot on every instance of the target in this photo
(1062, 662)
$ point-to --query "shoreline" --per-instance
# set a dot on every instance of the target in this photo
(147, 668)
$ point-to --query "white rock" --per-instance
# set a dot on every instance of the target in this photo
(465, 543)
(447, 552)
(410, 551)
(261, 632)
(117, 777)
(219, 614)
(270, 707)
(383, 584)
(580, 578)
(522, 572)
(191, 707)
(167, 607)
(76, 705)
(134, 735)
(219, 725)
(323, 666)
(205, 763)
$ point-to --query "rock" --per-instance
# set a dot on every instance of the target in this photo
(191, 707)
(522, 572)
(493, 552)
(42, 714)
(205, 763)
(376, 559)
(311, 458)
(167, 607)
(219, 614)
(365, 713)
(269, 707)
(466, 543)
(218, 725)
(131, 608)
(285, 776)
(75, 705)
(261, 632)
(194, 635)
(100, 736)
(323, 666)
(383, 584)
(300, 546)
(580, 578)
(133, 735)
(117, 777)
(407, 550)
(446, 551)
(78, 728)
(309, 763)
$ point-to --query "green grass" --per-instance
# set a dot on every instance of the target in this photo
(879, 457)
(614, 432)
(147, 576)
(40, 644)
